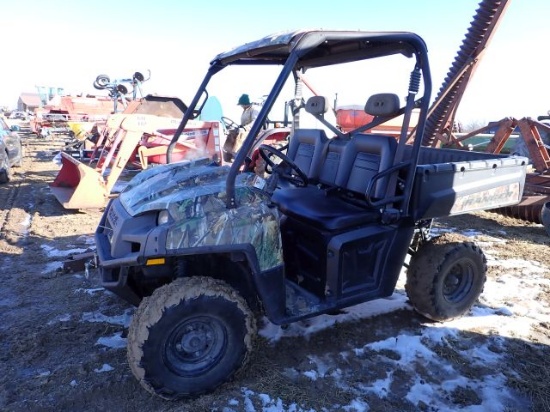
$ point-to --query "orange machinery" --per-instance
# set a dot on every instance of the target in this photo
(132, 139)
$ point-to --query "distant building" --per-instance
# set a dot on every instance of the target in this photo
(27, 102)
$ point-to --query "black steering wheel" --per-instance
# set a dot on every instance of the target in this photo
(228, 123)
(285, 168)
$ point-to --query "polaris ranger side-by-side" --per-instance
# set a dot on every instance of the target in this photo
(203, 250)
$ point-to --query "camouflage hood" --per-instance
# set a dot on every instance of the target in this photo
(195, 195)
(165, 186)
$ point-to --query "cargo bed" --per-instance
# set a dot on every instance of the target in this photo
(451, 182)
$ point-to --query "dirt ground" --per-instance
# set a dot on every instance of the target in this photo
(50, 359)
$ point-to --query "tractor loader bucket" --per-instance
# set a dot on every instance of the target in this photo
(130, 139)
(78, 186)
(84, 186)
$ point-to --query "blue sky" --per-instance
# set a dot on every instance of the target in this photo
(68, 43)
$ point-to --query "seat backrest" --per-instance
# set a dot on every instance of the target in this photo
(307, 149)
(364, 156)
(331, 161)
(317, 105)
(382, 104)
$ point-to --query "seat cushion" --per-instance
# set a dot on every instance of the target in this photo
(322, 209)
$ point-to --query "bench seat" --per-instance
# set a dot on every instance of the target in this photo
(340, 173)
(323, 209)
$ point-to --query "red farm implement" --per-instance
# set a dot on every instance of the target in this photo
(132, 140)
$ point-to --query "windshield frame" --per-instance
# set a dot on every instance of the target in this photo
(301, 50)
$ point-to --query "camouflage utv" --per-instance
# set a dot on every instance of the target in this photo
(205, 250)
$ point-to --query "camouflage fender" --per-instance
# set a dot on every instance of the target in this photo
(205, 221)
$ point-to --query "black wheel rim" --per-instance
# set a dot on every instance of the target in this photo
(458, 282)
(195, 345)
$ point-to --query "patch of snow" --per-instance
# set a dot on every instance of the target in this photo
(105, 368)
(90, 292)
(357, 405)
(60, 318)
(380, 387)
(121, 320)
(53, 252)
(87, 240)
(115, 341)
(26, 223)
(269, 404)
(52, 267)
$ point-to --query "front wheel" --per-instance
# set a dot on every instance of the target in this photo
(189, 337)
(445, 277)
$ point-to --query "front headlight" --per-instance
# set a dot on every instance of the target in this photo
(163, 217)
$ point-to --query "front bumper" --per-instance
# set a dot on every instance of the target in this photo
(122, 242)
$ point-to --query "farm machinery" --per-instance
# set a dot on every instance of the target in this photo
(79, 115)
(533, 140)
(133, 139)
(118, 89)
(64, 112)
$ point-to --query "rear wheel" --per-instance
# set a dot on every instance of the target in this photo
(446, 277)
(189, 337)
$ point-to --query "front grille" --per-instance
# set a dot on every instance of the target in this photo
(111, 223)
(109, 232)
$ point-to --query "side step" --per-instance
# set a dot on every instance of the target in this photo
(301, 303)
